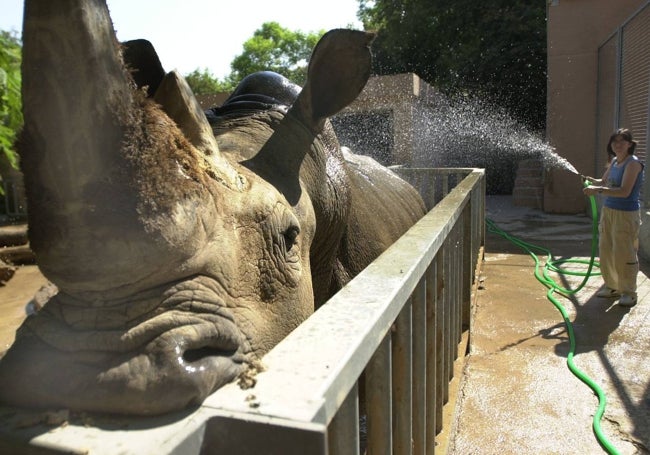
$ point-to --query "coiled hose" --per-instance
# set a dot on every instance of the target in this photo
(544, 277)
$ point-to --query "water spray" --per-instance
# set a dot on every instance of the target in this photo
(452, 132)
(468, 132)
(552, 159)
(544, 277)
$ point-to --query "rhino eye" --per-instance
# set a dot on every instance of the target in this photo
(281, 264)
(290, 236)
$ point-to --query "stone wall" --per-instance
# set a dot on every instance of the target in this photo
(529, 185)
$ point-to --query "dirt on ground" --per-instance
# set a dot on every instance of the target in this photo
(14, 297)
(20, 285)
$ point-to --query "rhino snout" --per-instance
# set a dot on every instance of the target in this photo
(188, 355)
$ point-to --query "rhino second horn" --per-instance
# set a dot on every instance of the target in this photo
(179, 103)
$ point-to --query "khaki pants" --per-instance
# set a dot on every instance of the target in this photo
(618, 244)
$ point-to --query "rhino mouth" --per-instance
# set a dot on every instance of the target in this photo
(204, 346)
(164, 362)
(197, 355)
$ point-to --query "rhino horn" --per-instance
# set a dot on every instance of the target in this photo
(102, 162)
(177, 100)
(62, 83)
(171, 92)
(77, 100)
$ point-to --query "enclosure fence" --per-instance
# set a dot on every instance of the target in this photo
(371, 368)
(369, 371)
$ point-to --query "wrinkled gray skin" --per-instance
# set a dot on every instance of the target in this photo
(361, 207)
(182, 249)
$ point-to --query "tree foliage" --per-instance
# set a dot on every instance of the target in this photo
(11, 118)
(271, 48)
(278, 49)
(203, 82)
(493, 50)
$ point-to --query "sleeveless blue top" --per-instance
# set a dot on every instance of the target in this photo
(614, 180)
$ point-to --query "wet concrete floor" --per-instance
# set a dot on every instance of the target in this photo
(517, 394)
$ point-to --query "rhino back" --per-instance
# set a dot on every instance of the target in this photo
(383, 207)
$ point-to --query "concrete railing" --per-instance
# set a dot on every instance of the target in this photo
(370, 369)
(381, 351)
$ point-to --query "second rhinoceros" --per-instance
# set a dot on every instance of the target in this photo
(182, 248)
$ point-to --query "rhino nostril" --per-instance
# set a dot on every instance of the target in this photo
(194, 355)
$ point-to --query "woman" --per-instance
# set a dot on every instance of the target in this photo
(620, 218)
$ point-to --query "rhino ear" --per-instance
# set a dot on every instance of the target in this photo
(338, 71)
(177, 100)
(141, 59)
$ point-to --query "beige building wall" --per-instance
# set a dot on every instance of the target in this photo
(399, 95)
(576, 28)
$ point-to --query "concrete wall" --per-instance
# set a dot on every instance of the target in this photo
(401, 97)
(401, 120)
(576, 28)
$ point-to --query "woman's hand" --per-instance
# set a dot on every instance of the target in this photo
(592, 190)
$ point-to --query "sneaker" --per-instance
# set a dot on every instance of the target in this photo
(607, 292)
(627, 300)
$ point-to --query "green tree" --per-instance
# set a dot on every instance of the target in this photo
(203, 82)
(271, 48)
(11, 118)
(492, 50)
(275, 48)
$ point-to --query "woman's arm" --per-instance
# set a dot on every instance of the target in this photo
(632, 170)
(599, 181)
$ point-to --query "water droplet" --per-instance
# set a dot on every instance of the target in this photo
(459, 132)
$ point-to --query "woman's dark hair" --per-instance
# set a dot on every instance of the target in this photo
(625, 134)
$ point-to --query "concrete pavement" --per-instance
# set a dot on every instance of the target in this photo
(517, 394)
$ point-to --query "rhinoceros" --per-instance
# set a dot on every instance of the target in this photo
(184, 243)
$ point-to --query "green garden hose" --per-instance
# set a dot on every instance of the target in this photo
(545, 278)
